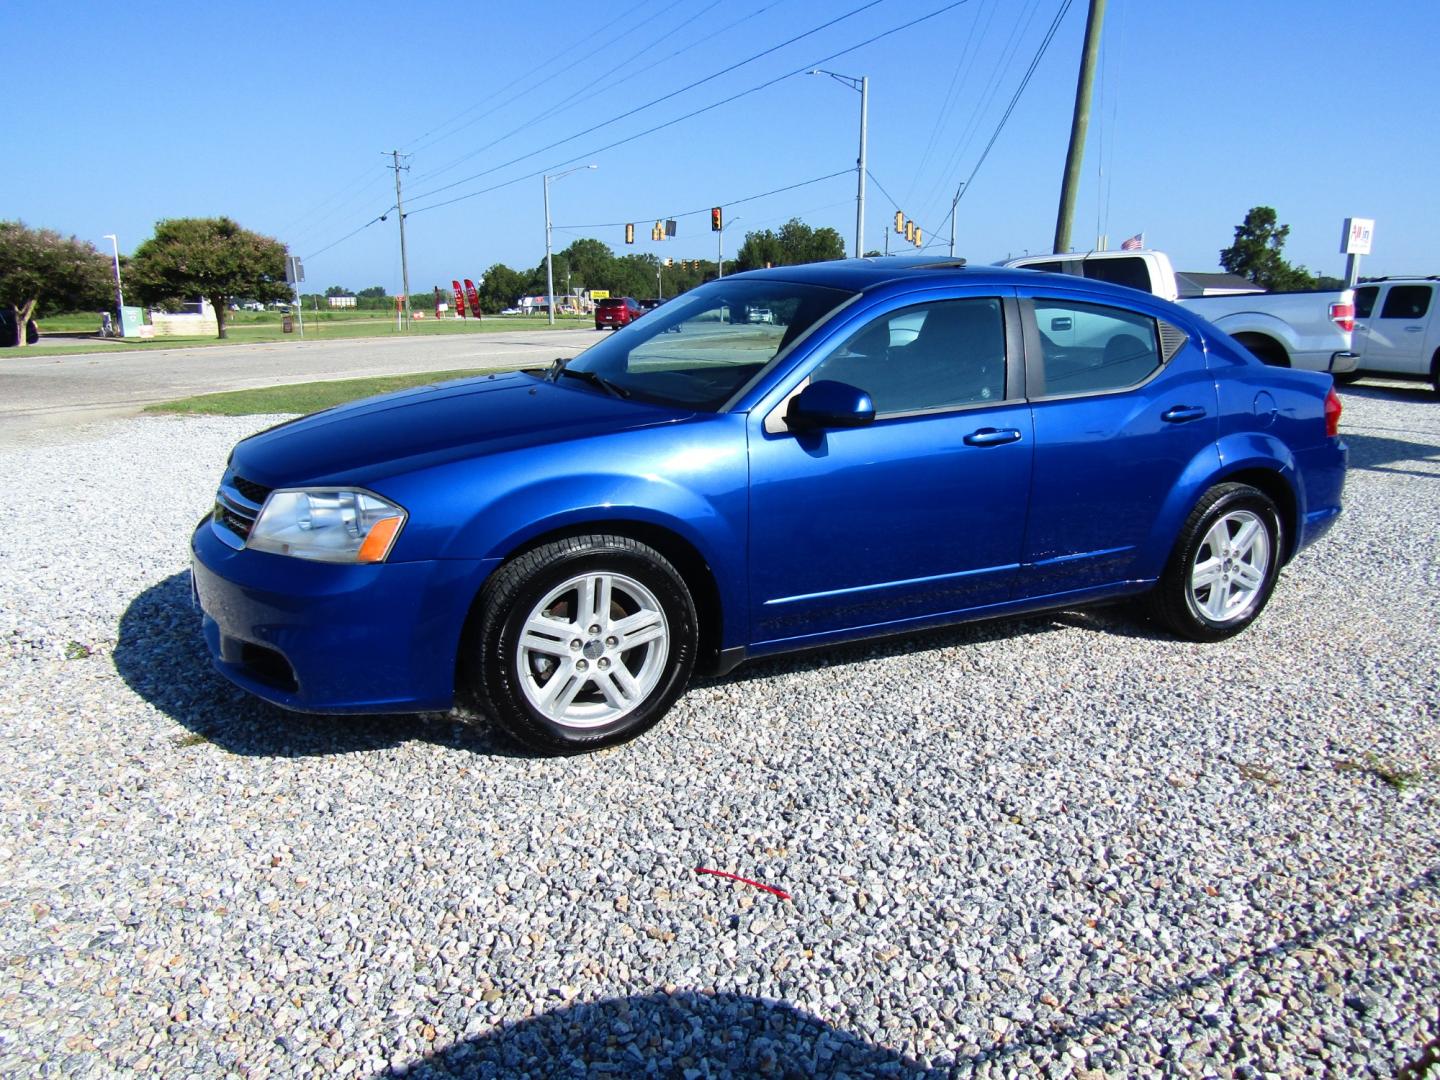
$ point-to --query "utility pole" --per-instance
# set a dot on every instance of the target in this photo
(1079, 122)
(861, 84)
(400, 211)
(954, 206)
(860, 168)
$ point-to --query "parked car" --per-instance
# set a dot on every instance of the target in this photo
(911, 443)
(1396, 331)
(1311, 330)
(650, 303)
(616, 311)
(762, 315)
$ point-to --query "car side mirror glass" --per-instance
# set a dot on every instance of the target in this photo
(829, 404)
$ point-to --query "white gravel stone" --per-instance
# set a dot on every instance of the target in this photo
(1059, 846)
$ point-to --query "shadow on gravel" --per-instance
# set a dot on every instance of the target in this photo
(670, 1035)
(1379, 454)
(687, 1034)
(1117, 620)
(161, 656)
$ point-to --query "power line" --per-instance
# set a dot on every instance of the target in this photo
(532, 73)
(1014, 100)
(803, 69)
(547, 113)
(1004, 57)
(352, 232)
(706, 209)
(663, 98)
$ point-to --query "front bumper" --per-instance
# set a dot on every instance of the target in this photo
(324, 637)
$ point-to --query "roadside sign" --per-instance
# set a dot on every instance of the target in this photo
(1358, 234)
(599, 294)
(294, 269)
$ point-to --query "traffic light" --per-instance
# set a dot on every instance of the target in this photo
(669, 263)
(656, 233)
(918, 237)
(910, 231)
(630, 233)
(899, 221)
(716, 222)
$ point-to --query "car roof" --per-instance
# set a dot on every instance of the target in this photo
(867, 275)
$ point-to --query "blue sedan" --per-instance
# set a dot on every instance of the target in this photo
(902, 443)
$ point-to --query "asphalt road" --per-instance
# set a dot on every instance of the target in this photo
(55, 394)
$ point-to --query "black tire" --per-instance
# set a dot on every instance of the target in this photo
(1435, 372)
(1175, 603)
(492, 672)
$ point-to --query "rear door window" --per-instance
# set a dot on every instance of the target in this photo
(1365, 301)
(1092, 348)
(1406, 302)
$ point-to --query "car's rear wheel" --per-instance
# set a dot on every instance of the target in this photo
(582, 643)
(1435, 372)
(1224, 566)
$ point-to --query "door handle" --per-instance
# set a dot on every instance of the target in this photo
(1182, 414)
(989, 436)
(1414, 329)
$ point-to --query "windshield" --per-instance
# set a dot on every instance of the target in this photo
(698, 349)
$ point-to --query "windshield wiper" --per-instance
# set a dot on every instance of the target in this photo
(593, 379)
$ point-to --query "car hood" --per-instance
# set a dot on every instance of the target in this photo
(366, 441)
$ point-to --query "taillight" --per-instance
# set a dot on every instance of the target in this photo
(1333, 409)
(1343, 315)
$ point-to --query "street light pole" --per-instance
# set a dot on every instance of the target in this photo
(119, 291)
(549, 262)
(862, 85)
(954, 203)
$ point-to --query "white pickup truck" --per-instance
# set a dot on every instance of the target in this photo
(1396, 331)
(1301, 329)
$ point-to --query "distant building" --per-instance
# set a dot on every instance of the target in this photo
(341, 301)
(1192, 284)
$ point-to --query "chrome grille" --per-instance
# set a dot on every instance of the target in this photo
(237, 505)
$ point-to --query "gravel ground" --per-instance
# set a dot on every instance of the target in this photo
(1061, 846)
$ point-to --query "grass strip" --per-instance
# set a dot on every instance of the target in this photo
(305, 397)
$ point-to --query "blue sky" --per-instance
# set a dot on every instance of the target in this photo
(277, 115)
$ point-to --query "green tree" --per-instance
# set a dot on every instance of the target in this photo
(500, 288)
(340, 290)
(210, 257)
(42, 272)
(1256, 253)
(591, 264)
(795, 243)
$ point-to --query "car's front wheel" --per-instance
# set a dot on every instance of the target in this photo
(582, 643)
(1224, 565)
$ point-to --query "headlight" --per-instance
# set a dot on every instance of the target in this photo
(328, 525)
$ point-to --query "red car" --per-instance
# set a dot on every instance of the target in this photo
(615, 312)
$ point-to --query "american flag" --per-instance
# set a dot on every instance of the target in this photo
(1135, 243)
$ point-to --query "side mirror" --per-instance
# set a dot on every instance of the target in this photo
(829, 404)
